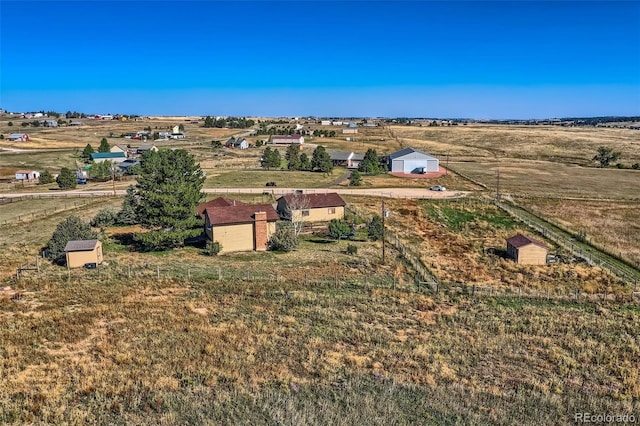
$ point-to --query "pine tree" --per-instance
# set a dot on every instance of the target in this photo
(66, 179)
(355, 179)
(321, 160)
(127, 215)
(305, 162)
(371, 163)
(270, 158)
(169, 188)
(104, 146)
(88, 150)
(293, 157)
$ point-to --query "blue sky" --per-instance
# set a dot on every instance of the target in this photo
(362, 58)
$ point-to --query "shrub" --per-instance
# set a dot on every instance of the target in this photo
(352, 249)
(339, 229)
(45, 178)
(214, 248)
(355, 179)
(620, 166)
(160, 240)
(67, 179)
(635, 166)
(72, 228)
(105, 217)
(284, 239)
(374, 229)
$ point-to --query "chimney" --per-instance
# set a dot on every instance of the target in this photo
(260, 235)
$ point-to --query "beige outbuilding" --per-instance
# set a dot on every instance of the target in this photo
(81, 252)
(526, 250)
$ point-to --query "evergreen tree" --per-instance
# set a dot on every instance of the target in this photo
(270, 158)
(371, 163)
(88, 150)
(305, 162)
(67, 179)
(293, 157)
(339, 229)
(606, 156)
(101, 171)
(355, 179)
(70, 229)
(127, 215)
(169, 188)
(104, 146)
(45, 178)
(374, 228)
(321, 161)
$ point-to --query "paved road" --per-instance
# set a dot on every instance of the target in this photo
(413, 193)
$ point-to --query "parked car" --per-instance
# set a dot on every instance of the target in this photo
(438, 188)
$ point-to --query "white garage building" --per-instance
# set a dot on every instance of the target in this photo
(411, 160)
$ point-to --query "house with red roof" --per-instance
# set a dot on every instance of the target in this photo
(238, 226)
(526, 250)
(311, 207)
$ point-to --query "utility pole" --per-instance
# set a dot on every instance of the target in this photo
(113, 178)
(383, 215)
(498, 186)
(446, 169)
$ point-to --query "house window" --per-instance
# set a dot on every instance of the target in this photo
(305, 213)
(332, 210)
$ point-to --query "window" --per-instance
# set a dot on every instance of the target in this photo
(305, 213)
(332, 210)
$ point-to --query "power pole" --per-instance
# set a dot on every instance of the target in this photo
(383, 215)
(446, 169)
(113, 178)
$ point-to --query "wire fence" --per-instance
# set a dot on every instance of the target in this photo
(29, 216)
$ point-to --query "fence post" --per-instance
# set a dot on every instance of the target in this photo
(158, 271)
(129, 271)
(189, 273)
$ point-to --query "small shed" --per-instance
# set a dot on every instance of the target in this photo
(28, 175)
(526, 250)
(81, 252)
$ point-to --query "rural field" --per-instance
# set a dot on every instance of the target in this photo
(319, 336)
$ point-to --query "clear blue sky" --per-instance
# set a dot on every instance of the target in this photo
(362, 58)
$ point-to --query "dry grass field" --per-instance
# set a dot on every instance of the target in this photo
(614, 226)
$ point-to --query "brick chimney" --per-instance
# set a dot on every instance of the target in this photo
(260, 236)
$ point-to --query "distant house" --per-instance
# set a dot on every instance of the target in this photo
(311, 207)
(176, 129)
(145, 147)
(164, 135)
(177, 135)
(325, 123)
(287, 139)
(351, 129)
(28, 175)
(114, 157)
(121, 148)
(370, 124)
(18, 137)
(348, 159)
(240, 226)
(240, 143)
(411, 160)
(76, 124)
(526, 250)
(126, 166)
(337, 123)
(50, 123)
(81, 252)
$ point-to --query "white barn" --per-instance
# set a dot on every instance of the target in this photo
(411, 160)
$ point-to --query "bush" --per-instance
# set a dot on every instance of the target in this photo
(284, 239)
(620, 166)
(636, 166)
(67, 179)
(214, 248)
(45, 178)
(374, 229)
(352, 249)
(72, 228)
(339, 229)
(355, 179)
(160, 240)
(105, 217)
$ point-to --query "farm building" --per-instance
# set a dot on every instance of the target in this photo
(49, 123)
(76, 124)
(81, 252)
(411, 160)
(240, 226)
(240, 143)
(28, 175)
(346, 158)
(526, 250)
(325, 123)
(18, 137)
(287, 139)
(114, 157)
(122, 148)
(312, 207)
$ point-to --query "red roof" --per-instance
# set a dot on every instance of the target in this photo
(331, 199)
(296, 137)
(240, 213)
(217, 202)
(520, 240)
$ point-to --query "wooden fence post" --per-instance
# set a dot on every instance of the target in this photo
(158, 271)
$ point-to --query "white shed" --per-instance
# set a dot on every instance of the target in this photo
(411, 160)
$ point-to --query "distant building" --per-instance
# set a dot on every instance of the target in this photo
(411, 160)
(240, 143)
(287, 139)
(27, 175)
(145, 147)
(81, 252)
(346, 158)
(18, 137)
(325, 123)
(352, 128)
(114, 157)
